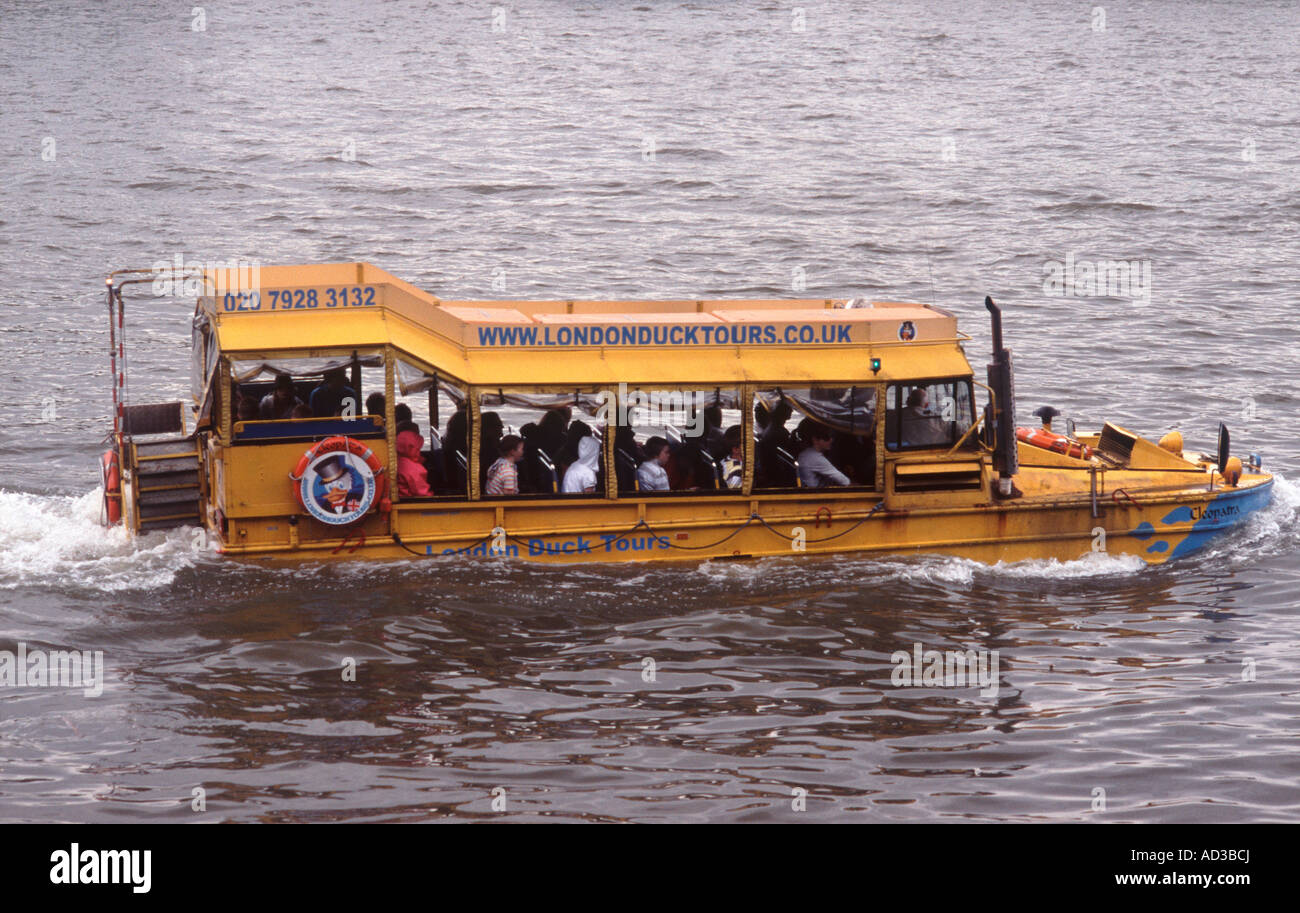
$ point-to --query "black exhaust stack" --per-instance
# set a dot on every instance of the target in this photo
(1000, 419)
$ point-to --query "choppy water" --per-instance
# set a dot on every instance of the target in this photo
(912, 150)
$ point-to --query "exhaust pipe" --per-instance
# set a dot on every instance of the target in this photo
(1000, 415)
(996, 313)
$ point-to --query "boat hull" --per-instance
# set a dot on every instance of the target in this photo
(1155, 527)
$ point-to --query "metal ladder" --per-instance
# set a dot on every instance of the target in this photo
(166, 483)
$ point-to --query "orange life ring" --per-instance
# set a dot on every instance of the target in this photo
(112, 478)
(1058, 443)
(351, 445)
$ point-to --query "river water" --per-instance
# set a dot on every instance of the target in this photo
(914, 150)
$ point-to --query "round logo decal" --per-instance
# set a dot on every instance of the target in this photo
(337, 487)
(907, 331)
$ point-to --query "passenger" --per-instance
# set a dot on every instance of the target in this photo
(733, 464)
(490, 429)
(580, 478)
(502, 476)
(552, 431)
(455, 448)
(651, 473)
(761, 416)
(815, 470)
(528, 467)
(301, 411)
(918, 426)
(281, 402)
(770, 469)
(578, 432)
(715, 440)
(375, 404)
(412, 477)
(246, 408)
(402, 416)
(457, 436)
(628, 455)
(333, 394)
(625, 440)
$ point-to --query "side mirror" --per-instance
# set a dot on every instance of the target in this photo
(1224, 442)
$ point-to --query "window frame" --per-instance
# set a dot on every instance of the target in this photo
(875, 484)
(896, 446)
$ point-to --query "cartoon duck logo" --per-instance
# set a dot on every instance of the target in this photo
(337, 489)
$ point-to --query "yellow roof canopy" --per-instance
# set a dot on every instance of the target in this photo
(346, 306)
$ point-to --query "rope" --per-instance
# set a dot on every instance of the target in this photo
(696, 548)
(425, 554)
(772, 529)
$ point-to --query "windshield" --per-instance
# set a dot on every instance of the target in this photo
(928, 414)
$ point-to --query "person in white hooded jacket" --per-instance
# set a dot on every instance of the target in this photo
(580, 478)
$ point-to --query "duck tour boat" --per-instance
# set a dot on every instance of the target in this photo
(338, 411)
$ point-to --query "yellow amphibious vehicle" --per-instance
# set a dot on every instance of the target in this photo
(570, 431)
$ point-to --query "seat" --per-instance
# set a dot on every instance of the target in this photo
(548, 480)
(625, 468)
(789, 468)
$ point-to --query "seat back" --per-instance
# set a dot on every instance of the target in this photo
(547, 477)
(625, 468)
(789, 468)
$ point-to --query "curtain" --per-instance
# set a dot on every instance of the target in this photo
(411, 379)
(851, 409)
(245, 371)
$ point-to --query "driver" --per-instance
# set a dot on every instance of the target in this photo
(919, 426)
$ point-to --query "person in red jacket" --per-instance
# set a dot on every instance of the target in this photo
(412, 477)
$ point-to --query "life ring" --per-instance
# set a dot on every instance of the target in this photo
(340, 444)
(111, 476)
(1058, 443)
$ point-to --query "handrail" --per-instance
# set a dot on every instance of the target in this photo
(979, 420)
(377, 420)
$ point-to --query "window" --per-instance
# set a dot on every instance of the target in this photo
(815, 437)
(543, 444)
(675, 440)
(304, 398)
(433, 409)
(929, 414)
